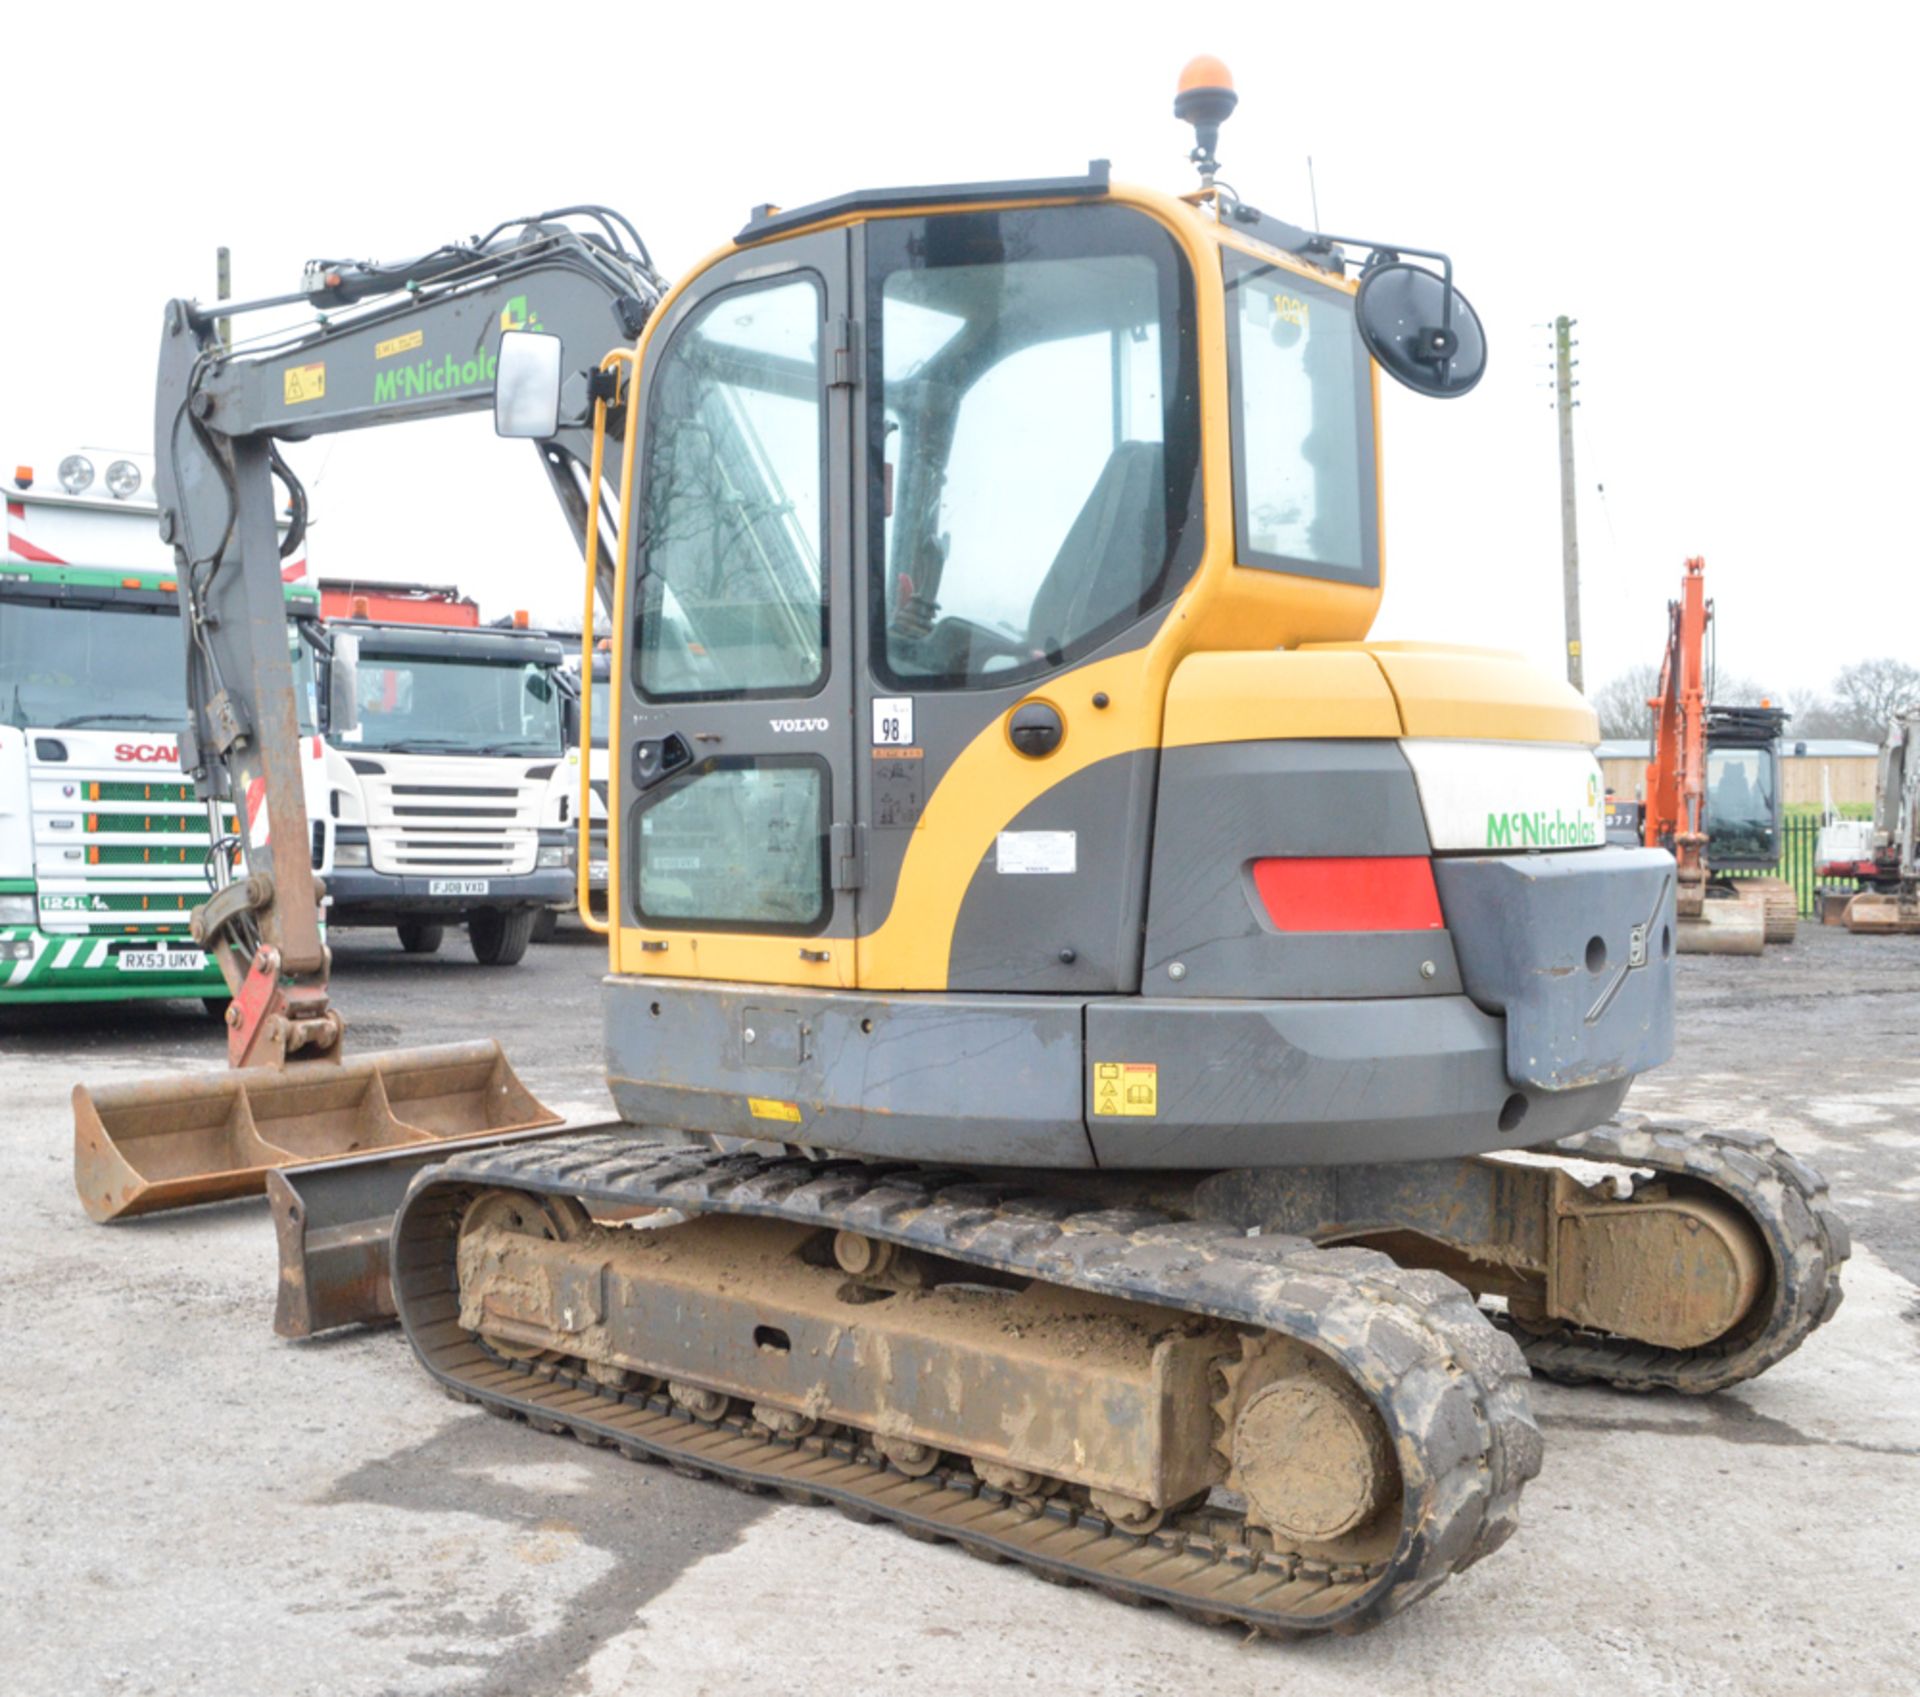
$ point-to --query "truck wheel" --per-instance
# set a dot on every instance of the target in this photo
(546, 924)
(500, 936)
(420, 939)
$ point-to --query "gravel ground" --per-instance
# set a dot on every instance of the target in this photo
(189, 1504)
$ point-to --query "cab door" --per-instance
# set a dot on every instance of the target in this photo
(735, 795)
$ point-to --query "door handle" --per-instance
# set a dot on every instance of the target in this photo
(655, 758)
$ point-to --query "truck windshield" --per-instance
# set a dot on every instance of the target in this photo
(71, 665)
(1303, 475)
(414, 705)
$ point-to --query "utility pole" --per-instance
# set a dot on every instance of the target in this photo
(1563, 387)
(223, 288)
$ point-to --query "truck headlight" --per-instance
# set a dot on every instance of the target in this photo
(554, 854)
(352, 854)
(17, 910)
(76, 472)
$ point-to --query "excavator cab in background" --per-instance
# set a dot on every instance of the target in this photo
(1133, 988)
(1881, 856)
(1713, 795)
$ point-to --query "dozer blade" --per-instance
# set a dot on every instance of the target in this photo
(173, 1142)
(333, 1223)
(1723, 928)
(1875, 914)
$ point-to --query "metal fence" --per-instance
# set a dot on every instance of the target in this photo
(1798, 835)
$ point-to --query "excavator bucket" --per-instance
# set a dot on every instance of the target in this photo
(172, 1142)
(1876, 913)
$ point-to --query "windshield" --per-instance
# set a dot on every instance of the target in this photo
(1036, 413)
(414, 705)
(73, 666)
(1740, 805)
(1303, 475)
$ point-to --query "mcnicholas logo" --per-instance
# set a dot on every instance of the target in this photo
(428, 376)
(1541, 829)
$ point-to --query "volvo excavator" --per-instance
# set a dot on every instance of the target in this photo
(1113, 1069)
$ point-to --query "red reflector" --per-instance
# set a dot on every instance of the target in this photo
(1382, 894)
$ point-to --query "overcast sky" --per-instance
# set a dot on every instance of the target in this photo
(1719, 193)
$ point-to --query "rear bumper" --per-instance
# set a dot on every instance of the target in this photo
(1004, 1080)
(363, 897)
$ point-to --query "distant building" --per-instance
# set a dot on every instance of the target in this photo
(1847, 764)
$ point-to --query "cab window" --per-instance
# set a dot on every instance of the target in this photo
(1034, 420)
(1301, 385)
(732, 603)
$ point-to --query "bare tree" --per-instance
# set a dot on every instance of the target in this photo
(1869, 692)
(1621, 702)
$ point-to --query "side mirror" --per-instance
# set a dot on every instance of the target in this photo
(526, 385)
(570, 716)
(1421, 329)
(343, 685)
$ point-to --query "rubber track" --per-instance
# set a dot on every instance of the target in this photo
(1451, 1388)
(1787, 1201)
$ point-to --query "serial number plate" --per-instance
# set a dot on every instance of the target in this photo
(161, 960)
(458, 886)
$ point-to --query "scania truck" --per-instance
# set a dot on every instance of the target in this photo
(103, 848)
(449, 795)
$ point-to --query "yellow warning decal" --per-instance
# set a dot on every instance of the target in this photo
(306, 382)
(1126, 1087)
(399, 344)
(765, 1108)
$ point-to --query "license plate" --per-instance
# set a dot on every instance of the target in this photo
(161, 960)
(597, 869)
(458, 886)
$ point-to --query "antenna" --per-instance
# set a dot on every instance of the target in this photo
(1313, 193)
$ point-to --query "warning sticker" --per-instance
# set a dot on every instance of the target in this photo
(1126, 1087)
(305, 383)
(766, 1108)
(399, 344)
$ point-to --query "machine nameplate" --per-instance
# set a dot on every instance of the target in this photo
(1035, 852)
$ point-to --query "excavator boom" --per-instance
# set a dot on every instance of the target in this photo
(389, 343)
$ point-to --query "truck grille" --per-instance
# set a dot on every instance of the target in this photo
(115, 854)
(431, 818)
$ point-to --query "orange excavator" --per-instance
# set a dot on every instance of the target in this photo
(1713, 795)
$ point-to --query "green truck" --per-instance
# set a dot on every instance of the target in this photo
(104, 850)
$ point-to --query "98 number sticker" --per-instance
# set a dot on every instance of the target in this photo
(892, 721)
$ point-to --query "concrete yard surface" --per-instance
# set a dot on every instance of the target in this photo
(190, 1504)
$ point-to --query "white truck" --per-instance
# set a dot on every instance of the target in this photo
(104, 850)
(449, 793)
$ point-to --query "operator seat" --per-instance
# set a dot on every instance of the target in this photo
(1112, 553)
